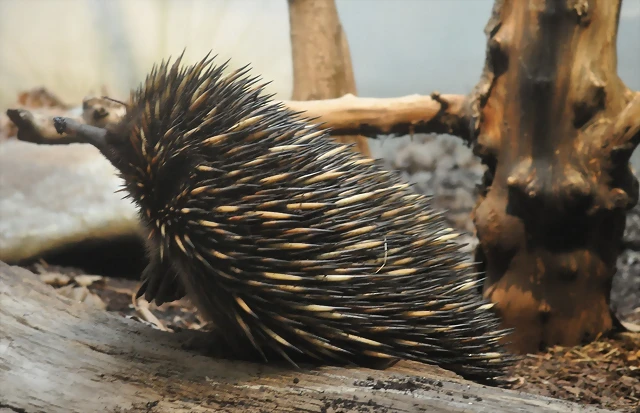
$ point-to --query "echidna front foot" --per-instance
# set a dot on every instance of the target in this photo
(160, 282)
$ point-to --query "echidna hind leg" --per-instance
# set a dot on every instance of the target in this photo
(160, 282)
(216, 305)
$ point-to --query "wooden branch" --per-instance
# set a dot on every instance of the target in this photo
(61, 356)
(347, 115)
(399, 116)
(102, 111)
(320, 51)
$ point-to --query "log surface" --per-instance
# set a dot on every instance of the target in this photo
(61, 356)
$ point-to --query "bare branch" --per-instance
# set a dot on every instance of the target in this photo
(102, 111)
(347, 115)
(322, 66)
(350, 115)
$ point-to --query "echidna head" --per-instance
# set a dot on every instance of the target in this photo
(174, 124)
(154, 174)
(157, 145)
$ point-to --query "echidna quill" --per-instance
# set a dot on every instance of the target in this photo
(289, 242)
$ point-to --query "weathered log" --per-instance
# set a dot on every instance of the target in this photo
(321, 59)
(61, 356)
(556, 127)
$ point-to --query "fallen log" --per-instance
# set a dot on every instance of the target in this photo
(57, 355)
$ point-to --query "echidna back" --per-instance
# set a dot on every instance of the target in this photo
(290, 241)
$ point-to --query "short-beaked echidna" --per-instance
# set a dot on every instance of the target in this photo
(287, 240)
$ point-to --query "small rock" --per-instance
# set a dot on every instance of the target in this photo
(402, 158)
(87, 280)
(463, 200)
(83, 295)
(55, 279)
(445, 165)
(422, 180)
(424, 159)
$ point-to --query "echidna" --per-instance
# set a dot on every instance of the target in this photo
(287, 240)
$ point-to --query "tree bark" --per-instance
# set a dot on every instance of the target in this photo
(556, 127)
(60, 356)
(321, 59)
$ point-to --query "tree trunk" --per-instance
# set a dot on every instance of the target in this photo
(321, 58)
(61, 356)
(556, 127)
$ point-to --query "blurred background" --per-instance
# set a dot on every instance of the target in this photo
(398, 47)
